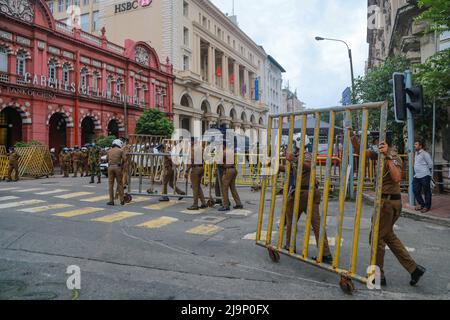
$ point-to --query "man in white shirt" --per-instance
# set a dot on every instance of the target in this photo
(423, 166)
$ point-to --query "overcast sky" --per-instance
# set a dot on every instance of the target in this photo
(286, 29)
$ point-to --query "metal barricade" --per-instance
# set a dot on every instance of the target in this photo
(268, 215)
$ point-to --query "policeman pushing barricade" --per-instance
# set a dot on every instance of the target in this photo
(115, 158)
(301, 193)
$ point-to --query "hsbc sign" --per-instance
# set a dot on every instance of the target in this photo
(131, 5)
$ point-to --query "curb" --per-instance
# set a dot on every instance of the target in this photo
(407, 213)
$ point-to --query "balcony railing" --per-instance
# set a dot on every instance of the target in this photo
(21, 80)
(4, 77)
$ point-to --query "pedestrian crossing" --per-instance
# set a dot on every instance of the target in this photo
(99, 214)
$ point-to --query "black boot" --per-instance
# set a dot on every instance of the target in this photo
(99, 180)
(92, 180)
(164, 199)
(110, 203)
(416, 275)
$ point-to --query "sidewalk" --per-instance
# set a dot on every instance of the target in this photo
(440, 212)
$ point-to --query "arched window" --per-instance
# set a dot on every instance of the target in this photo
(109, 86)
(3, 59)
(84, 78)
(66, 74)
(52, 70)
(21, 67)
(137, 90)
(95, 77)
(119, 87)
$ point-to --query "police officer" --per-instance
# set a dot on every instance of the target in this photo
(196, 170)
(229, 181)
(169, 173)
(13, 164)
(60, 160)
(66, 160)
(390, 212)
(84, 161)
(115, 158)
(94, 163)
(304, 196)
(76, 159)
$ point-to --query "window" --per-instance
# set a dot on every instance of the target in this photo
(136, 93)
(185, 63)
(3, 59)
(60, 5)
(66, 74)
(95, 77)
(205, 22)
(185, 9)
(84, 78)
(50, 5)
(52, 70)
(21, 64)
(186, 36)
(85, 22)
(95, 21)
(68, 3)
(109, 86)
(119, 87)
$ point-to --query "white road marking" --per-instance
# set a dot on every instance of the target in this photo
(20, 203)
(7, 198)
(51, 192)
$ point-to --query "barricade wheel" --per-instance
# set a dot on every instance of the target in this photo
(274, 255)
(347, 285)
(128, 198)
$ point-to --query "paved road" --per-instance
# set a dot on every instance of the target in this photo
(148, 250)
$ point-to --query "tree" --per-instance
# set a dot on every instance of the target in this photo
(437, 14)
(105, 142)
(434, 74)
(154, 122)
(375, 87)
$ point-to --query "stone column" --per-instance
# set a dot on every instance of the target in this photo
(197, 54)
(176, 120)
(237, 89)
(211, 64)
(247, 84)
(225, 81)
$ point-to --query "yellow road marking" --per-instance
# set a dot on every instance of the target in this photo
(51, 192)
(20, 204)
(74, 195)
(163, 205)
(205, 230)
(46, 208)
(157, 223)
(79, 212)
(96, 199)
(117, 217)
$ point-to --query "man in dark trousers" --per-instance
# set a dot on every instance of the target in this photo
(390, 212)
(229, 176)
(13, 164)
(115, 158)
(423, 168)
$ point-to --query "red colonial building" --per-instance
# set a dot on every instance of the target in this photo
(62, 86)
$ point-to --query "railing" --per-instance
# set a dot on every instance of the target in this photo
(91, 38)
(115, 48)
(64, 28)
(4, 77)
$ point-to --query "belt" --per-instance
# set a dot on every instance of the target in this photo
(394, 197)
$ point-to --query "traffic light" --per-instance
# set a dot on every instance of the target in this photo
(415, 95)
(398, 82)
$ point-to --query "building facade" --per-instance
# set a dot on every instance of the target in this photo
(291, 102)
(219, 70)
(64, 87)
(274, 82)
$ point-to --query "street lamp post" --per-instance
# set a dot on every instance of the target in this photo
(351, 63)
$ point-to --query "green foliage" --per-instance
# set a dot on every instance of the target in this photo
(21, 144)
(105, 142)
(437, 14)
(154, 122)
(434, 74)
(375, 87)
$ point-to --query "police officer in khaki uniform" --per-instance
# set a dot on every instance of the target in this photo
(390, 212)
(168, 179)
(115, 158)
(197, 171)
(229, 176)
(304, 195)
(13, 164)
(76, 160)
(66, 160)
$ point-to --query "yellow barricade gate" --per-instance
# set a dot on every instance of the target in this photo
(278, 207)
(34, 161)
